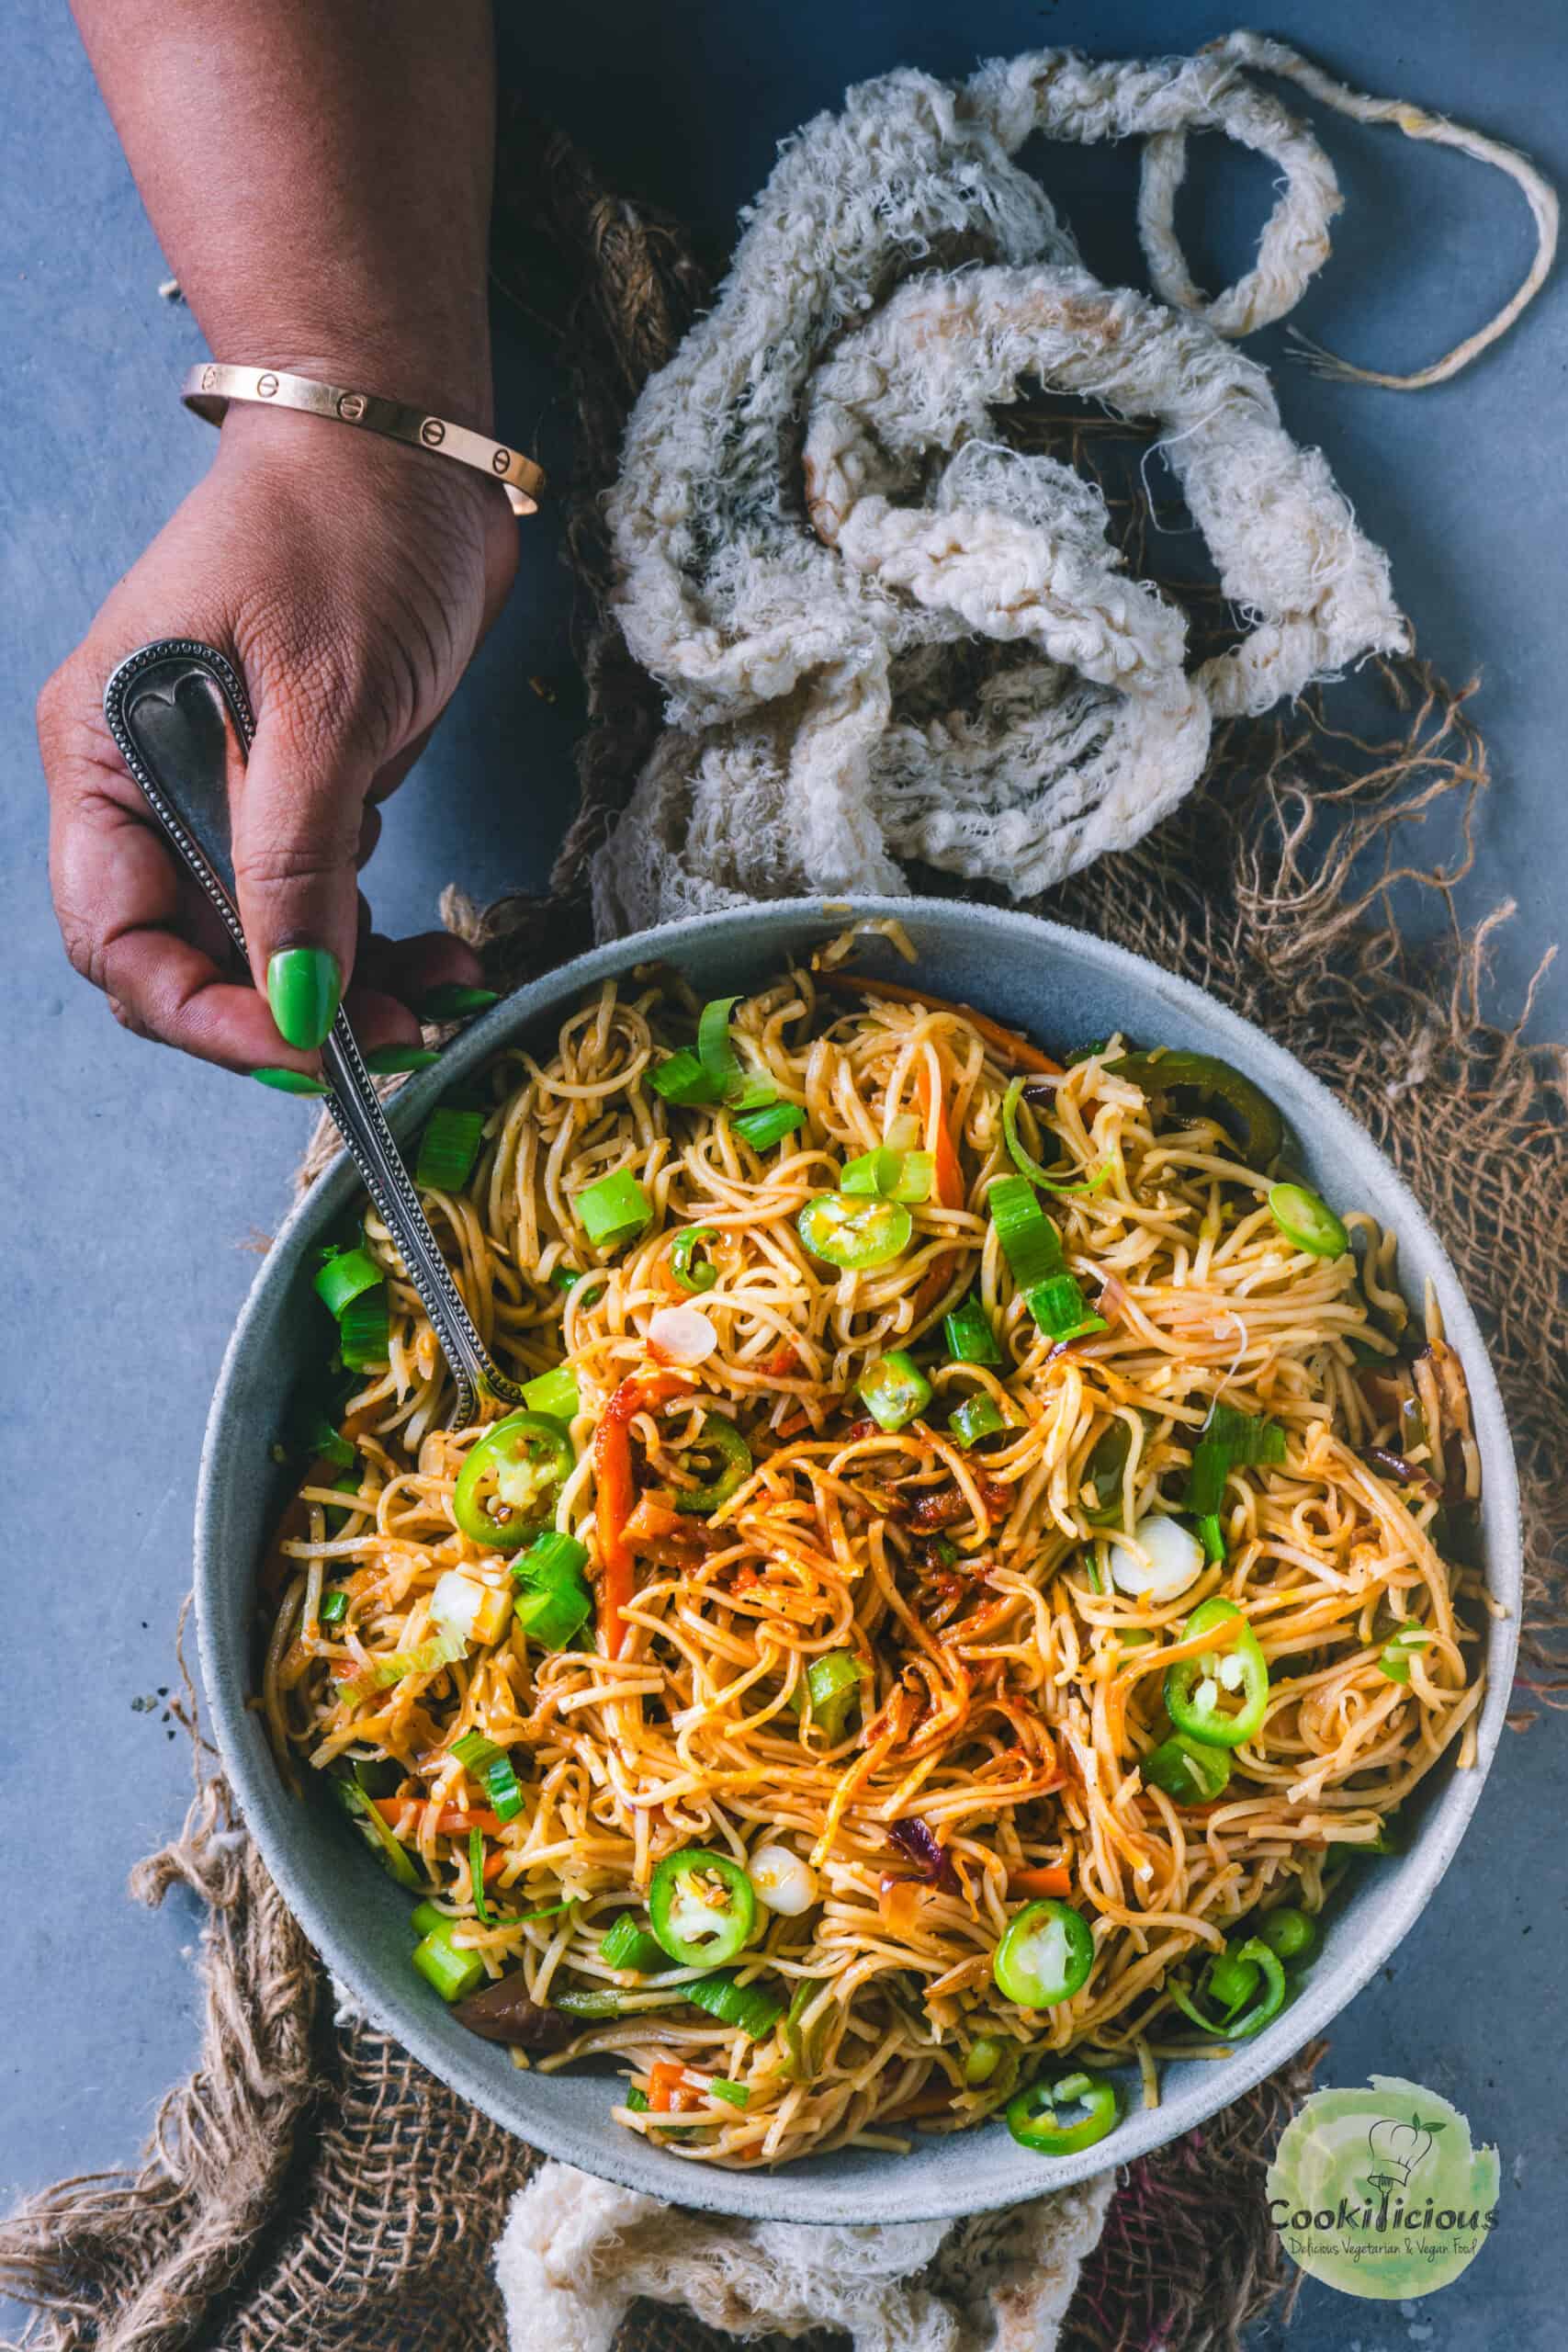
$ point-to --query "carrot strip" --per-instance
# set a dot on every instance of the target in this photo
(1050, 1878)
(1008, 1042)
(666, 2090)
(452, 1822)
(948, 1179)
(614, 1496)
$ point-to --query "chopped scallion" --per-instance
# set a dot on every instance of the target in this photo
(474, 1751)
(680, 1078)
(505, 1795)
(554, 1393)
(363, 1330)
(770, 1124)
(344, 1276)
(977, 1417)
(613, 1210)
(970, 1338)
(477, 1876)
(551, 1559)
(334, 1606)
(1031, 1243)
(551, 1614)
(732, 2093)
(1059, 1305)
(448, 1148)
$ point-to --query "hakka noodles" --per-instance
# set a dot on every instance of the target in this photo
(977, 1562)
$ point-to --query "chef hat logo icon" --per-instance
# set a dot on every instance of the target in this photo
(1399, 2147)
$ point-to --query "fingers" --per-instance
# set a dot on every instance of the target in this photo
(297, 839)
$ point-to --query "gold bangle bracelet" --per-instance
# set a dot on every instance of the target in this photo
(210, 387)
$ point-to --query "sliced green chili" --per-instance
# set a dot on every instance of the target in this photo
(977, 1417)
(1187, 1771)
(1253, 1121)
(1045, 1954)
(1231, 1978)
(1035, 2119)
(1308, 1221)
(702, 1906)
(832, 1686)
(854, 1234)
(721, 1439)
(1106, 1471)
(554, 1393)
(477, 1876)
(1199, 1691)
(510, 1483)
(693, 1273)
(894, 1389)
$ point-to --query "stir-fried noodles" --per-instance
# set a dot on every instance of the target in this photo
(976, 1562)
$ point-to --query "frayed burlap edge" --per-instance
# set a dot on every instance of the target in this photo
(312, 2186)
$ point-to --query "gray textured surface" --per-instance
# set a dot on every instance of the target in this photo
(137, 1181)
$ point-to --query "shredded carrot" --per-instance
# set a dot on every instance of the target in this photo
(948, 1179)
(1008, 1043)
(1050, 1878)
(495, 1862)
(782, 1362)
(452, 1822)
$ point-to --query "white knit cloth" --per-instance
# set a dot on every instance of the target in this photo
(577, 2252)
(882, 635)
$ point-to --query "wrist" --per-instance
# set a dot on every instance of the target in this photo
(448, 380)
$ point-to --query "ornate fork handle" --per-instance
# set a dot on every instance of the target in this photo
(180, 718)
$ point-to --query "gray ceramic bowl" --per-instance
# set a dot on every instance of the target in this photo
(1060, 986)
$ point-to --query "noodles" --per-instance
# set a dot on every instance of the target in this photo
(910, 1657)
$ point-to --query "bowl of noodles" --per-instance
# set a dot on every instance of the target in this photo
(990, 1617)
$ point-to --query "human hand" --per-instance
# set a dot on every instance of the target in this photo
(349, 581)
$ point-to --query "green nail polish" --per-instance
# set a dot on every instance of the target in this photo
(388, 1060)
(291, 1081)
(303, 985)
(454, 1003)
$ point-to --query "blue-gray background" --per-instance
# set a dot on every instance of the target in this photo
(137, 1184)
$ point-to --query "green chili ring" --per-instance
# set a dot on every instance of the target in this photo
(1033, 2121)
(508, 1487)
(704, 1273)
(1193, 1692)
(1256, 1957)
(854, 1231)
(1255, 1124)
(1044, 1956)
(720, 1437)
(697, 1930)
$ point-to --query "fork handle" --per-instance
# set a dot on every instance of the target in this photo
(182, 723)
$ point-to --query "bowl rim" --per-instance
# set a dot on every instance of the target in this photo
(913, 2192)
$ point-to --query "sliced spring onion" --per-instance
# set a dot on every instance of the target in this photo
(1247, 1437)
(853, 1233)
(1308, 1221)
(551, 1559)
(1024, 1160)
(427, 1658)
(1031, 1243)
(769, 1124)
(553, 1613)
(448, 1148)
(894, 1389)
(874, 1171)
(970, 1338)
(636, 2100)
(732, 2093)
(502, 1786)
(364, 1333)
(691, 1271)
(715, 1050)
(468, 1609)
(1394, 1658)
(680, 1078)
(477, 1876)
(425, 1918)
(344, 1276)
(474, 1752)
(613, 1210)
(625, 1945)
(394, 1856)
(454, 1974)
(756, 2012)
(977, 1417)
(1059, 1305)
(554, 1393)
(334, 1606)
(1212, 1535)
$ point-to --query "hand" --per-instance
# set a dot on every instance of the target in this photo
(349, 581)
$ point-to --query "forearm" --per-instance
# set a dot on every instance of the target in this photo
(319, 175)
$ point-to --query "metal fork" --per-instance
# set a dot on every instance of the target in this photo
(180, 718)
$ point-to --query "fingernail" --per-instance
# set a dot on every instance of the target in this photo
(388, 1060)
(452, 1002)
(291, 1081)
(303, 985)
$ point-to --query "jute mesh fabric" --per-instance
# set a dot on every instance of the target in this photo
(312, 2186)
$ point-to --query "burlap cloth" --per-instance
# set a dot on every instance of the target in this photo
(312, 2186)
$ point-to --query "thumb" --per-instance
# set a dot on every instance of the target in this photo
(296, 829)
